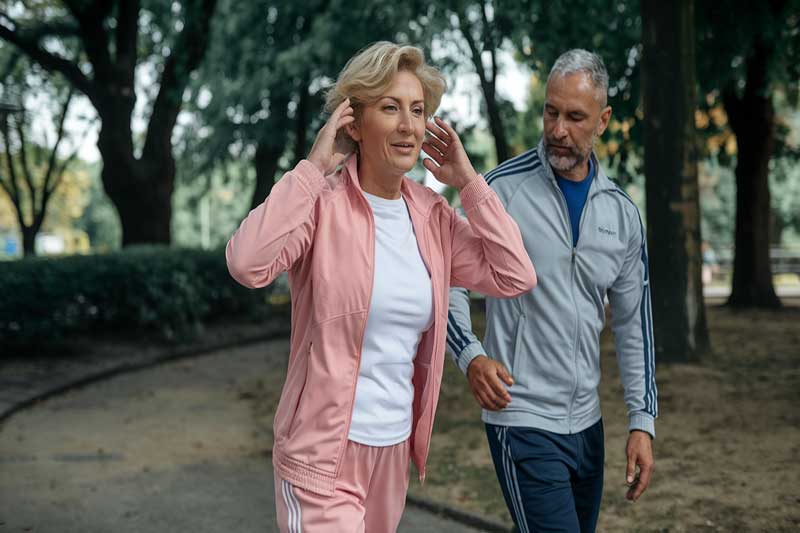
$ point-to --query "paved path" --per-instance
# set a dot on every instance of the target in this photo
(722, 291)
(167, 449)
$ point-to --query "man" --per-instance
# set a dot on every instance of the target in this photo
(537, 371)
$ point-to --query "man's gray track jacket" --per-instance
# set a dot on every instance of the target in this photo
(549, 337)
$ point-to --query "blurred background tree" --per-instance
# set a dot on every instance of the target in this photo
(257, 97)
(37, 173)
(121, 54)
(202, 105)
(673, 198)
(743, 67)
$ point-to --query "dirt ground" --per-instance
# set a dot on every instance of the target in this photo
(727, 447)
(728, 438)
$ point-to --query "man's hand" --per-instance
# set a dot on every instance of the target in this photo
(484, 376)
(640, 453)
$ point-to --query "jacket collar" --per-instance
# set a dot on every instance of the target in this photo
(410, 190)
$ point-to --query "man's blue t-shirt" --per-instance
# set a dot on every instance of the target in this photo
(575, 192)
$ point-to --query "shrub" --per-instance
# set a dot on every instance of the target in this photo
(167, 290)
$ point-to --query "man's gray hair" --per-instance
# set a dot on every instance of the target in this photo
(579, 60)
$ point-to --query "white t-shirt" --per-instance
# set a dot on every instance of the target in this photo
(400, 310)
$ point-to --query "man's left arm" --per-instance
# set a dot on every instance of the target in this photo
(631, 321)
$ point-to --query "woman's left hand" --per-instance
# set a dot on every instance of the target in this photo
(452, 166)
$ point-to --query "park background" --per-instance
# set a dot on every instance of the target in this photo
(135, 136)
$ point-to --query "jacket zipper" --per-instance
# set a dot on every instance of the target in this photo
(361, 340)
(577, 310)
(573, 254)
(424, 469)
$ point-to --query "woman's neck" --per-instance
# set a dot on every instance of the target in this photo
(373, 181)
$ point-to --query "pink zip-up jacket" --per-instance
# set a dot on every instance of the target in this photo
(321, 230)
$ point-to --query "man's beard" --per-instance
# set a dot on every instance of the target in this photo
(570, 161)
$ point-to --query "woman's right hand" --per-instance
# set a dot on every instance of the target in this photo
(327, 153)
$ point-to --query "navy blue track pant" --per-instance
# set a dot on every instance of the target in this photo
(551, 482)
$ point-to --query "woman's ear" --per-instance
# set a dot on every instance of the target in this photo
(353, 131)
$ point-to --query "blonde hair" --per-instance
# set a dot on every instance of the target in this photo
(368, 74)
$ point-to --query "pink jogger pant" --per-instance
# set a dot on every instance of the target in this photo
(370, 494)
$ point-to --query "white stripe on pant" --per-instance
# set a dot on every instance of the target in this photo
(295, 515)
(511, 480)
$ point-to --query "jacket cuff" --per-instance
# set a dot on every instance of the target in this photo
(643, 422)
(472, 193)
(309, 175)
(465, 357)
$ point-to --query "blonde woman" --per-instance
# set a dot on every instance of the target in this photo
(370, 255)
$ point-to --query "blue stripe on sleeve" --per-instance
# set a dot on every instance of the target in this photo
(650, 395)
(528, 168)
(521, 163)
(452, 320)
(522, 158)
(456, 336)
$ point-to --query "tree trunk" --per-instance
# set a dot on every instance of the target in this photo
(140, 189)
(29, 232)
(272, 144)
(28, 241)
(497, 128)
(267, 157)
(488, 83)
(143, 199)
(752, 119)
(301, 120)
(673, 210)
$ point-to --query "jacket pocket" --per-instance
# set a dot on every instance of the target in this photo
(516, 356)
(317, 431)
(293, 418)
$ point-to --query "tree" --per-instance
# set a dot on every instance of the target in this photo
(670, 161)
(474, 32)
(481, 31)
(632, 37)
(247, 87)
(260, 91)
(740, 69)
(29, 185)
(99, 46)
(540, 31)
(744, 66)
(31, 170)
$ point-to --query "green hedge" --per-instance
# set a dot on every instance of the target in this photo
(167, 290)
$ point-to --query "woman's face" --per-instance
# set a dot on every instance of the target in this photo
(390, 130)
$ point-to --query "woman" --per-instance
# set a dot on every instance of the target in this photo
(370, 256)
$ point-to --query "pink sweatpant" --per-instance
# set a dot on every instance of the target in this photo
(370, 494)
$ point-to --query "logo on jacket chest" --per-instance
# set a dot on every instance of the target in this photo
(605, 230)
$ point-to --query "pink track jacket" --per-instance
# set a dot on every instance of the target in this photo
(320, 229)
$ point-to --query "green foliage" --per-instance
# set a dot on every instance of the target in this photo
(206, 212)
(541, 31)
(725, 48)
(100, 220)
(528, 124)
(717, 203)
(784, 179)
(480, 148)
(266, 60)
(785, 188)
(725, 43)
(167, 291)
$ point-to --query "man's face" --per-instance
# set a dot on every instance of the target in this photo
(573, 116)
